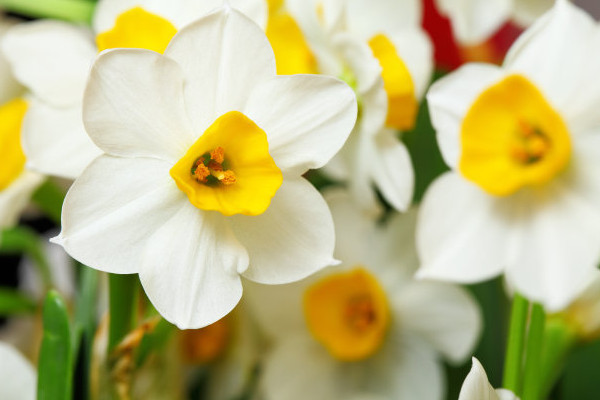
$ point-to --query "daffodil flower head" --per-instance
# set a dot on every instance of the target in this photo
(522, 197)
(201, 180)
(52, 60)
(365, 328)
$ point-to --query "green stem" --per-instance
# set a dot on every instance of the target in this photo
(68, 10)
(514, 348)
(55, 363)
(49, 198)
(19, 240)
(559, 339)
(123, 295)
(532, 376)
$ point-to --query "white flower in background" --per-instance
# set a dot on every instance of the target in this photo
(365, 329)
(201, 181)
(523, 143)
(477, 387)
(229, 349)
(474, 21)
(16, 183)
(583, 314)
(52, 59)
(379, 48)
(18, 375)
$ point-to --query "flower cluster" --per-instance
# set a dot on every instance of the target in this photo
(280, 199)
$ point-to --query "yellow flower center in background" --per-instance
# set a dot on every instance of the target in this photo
(200, 346)
(229, 168)
(511, 137)
(292, 53)
(398, 84)
(11, 153)
(348, 313)
(138, 28)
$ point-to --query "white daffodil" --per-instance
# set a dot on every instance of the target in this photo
(18, 375)
(474, 21)
(204, 148)
(522, 140)
(52, 59)
(379, 48)
(365, 329)
(16, 183)
(477, 387)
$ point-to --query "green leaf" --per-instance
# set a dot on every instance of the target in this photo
(68, 10)
(13, 302)
(154, 340)
(19, 240)
(123, 296)
(55, 366)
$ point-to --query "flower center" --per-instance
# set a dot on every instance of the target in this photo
(398, 84)
(348, 313)
(138, 28)
(292, 53)
(211, 169)
(206, 172)
(11, 153)
(511, 137)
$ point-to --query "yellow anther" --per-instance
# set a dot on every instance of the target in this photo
(228, 178)
(218, 155)
(201, 172)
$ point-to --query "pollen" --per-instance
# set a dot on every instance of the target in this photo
(211, 165)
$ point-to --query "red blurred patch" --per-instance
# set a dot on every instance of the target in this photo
(449, 55)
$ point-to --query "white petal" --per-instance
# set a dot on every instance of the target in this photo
(354, 228)
(15, 197)
(406, 367)
(474, 21)
(392, 170)
(556, 247)
(55, 141)
(476, 385)
(560, 55)
(111, 208)
(9, 86)
(277, 309)
(307, 118)
(368, 18)
(292, 239)
(505, 394)
(449, 100)
(190, 269)
(18, 375)
(358, 57)
(416, 51)
(51, 58)
(133, 105)
(461, 232)
(179, 13)
(526, 12)
(223, 56)
(300, 368)
(444, 315)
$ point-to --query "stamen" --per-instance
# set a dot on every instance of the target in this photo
(530, 144)
(218, 155)
(360, 313)
(229, 178)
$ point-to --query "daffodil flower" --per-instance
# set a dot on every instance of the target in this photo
(379, 48)
(52, 59)
(17, 184)
(18, 375)
(365, 329)
(477, 387)
(474, 21)
(522, 140)
(200, 183)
